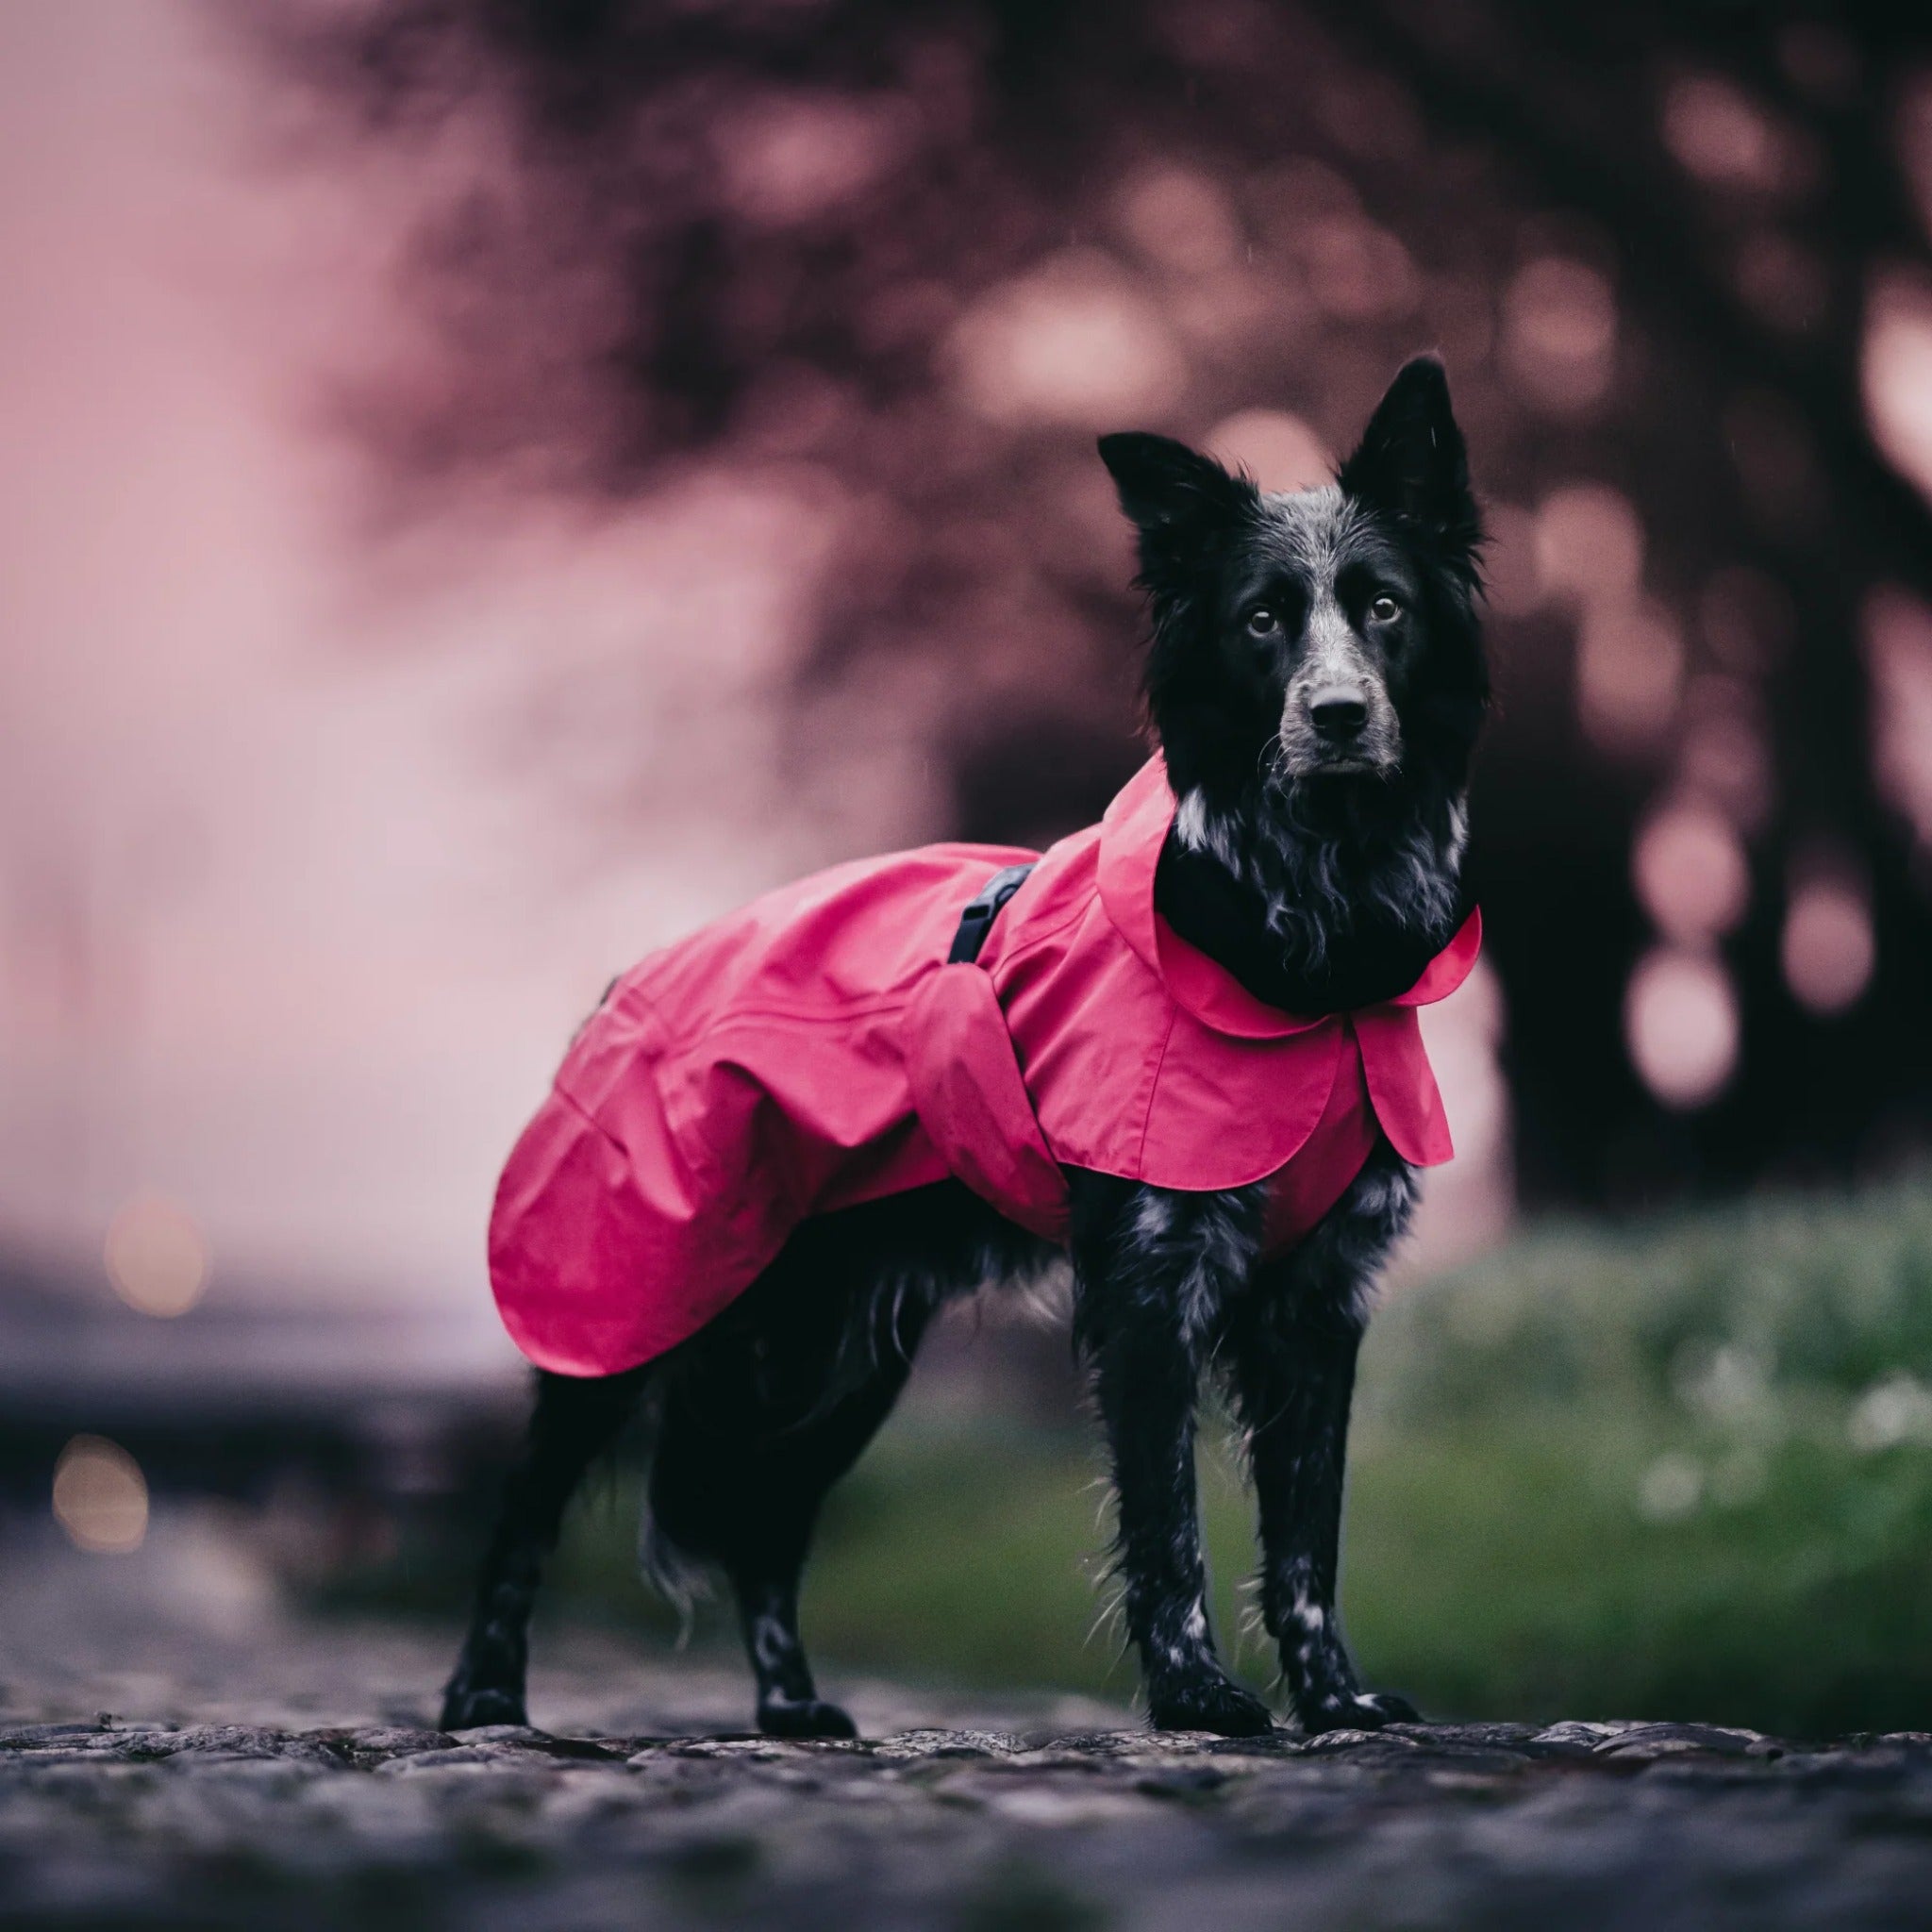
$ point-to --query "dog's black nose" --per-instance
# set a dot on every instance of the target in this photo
(1338, 717)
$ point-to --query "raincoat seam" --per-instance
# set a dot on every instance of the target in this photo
(1154, 1085)
(586, 1116)
(814, 1016)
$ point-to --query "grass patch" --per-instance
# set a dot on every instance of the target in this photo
(1513, 1569)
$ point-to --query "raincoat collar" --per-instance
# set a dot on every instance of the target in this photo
(1131, 836)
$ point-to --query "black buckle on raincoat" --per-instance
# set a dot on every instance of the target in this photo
(977, 921)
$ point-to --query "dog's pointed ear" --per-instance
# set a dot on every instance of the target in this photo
(1411, 463)
(1166, 489)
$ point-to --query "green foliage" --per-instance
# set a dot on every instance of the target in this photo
(1721, 1309)
(1680, 1469)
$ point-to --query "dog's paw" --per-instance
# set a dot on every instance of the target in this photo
(464, 1708)
(1357, 1710)
(810, 1717)
(1213, 1704)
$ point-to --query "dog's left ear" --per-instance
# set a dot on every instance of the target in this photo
(1166, 489)
(1412, 463)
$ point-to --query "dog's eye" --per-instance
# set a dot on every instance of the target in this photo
(1262, 622)
(1385, 609)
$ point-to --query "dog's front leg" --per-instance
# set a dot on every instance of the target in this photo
(1292, 1345)
(1153, 1270)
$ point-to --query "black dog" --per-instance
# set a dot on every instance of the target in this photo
(1317, 682)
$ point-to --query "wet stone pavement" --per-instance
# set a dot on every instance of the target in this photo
(250, 1769)
(121, 1822)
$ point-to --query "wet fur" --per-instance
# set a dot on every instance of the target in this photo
(1322, 875)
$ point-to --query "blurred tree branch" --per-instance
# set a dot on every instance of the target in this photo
(617, 300)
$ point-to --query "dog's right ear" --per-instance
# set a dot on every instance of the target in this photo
(1168, 490)
(1412, 463)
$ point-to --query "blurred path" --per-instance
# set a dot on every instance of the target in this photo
(252, 1767)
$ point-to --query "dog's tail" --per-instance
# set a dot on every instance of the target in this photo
(682, 1579)
(679, 1576)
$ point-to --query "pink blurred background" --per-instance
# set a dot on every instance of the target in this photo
(485, 491)
(294, 915)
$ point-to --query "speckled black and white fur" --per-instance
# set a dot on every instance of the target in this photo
(1316, 681)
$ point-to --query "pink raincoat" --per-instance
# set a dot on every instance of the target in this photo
(813, 1051)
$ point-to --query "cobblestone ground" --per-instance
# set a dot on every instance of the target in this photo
(236, 1767)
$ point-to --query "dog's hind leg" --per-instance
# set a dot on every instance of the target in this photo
(763, 1413)
(735, 1485)
(576, 1419)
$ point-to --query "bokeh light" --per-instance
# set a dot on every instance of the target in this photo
(1560, 332)
(1278, 450)
(1821, 59)
(1691, 872)
(1828, 949)
(1589, 544)
(1680, 1021)
(157, 1256)
(100, 1496)
(785, 158)
(1629, 667)
(1724, 759)
(1358, 272)
(1464, 1035)
(1179, 219)
(1077, 342)
(1896, 369)
(1721, 135)
(1468, 1205)
(1896, 1408)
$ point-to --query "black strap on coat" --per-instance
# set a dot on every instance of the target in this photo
(977, 921)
